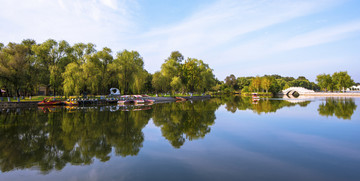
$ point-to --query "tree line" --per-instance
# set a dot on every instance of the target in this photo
(81, 69)
(337, 81)
(275, 83)
(267, 83)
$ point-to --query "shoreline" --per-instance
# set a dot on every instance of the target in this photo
(329, 94)
(4, 105)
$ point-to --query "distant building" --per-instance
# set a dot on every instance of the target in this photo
(43, 90)
(354, 88)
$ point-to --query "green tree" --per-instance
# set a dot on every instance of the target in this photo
(52, 59)
(15, 66)
(342, 80)
(96, 68)
(242, 82)
(175, 55)
(198, 76)
(265, 83)
(325, 81)
(231, 82)
(176, 84)
(255, 84)
(130, 67)
(73, 79)
(159, 82)
(170, 69)
(83, 51)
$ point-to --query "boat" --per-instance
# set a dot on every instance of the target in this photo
(126, 101)
(149, 101)
(255, 97)
(50, 101)
(71, 101)
(139, 101)
(180, 99)
(49, 108)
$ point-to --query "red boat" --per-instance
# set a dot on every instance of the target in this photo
(255, 97)
(50, 101)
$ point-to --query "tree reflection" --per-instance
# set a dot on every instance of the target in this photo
(342, 108)
(186, 120)
(234, 103)
(49, 138)
(34, 139)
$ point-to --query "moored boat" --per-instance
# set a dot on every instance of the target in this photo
(139, 101)
(71, 101)
(50, 101)
(255, 97)
(149, 101)
(180, 99)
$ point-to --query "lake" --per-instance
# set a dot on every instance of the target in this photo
(228, 138)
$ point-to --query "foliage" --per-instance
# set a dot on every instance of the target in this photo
(129, 66)
(342, 80)
(342, 108)
(231, 81)
(191, 76)
(255, 84)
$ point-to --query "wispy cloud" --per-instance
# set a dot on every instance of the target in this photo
(97, 21)
(226, 33)
(223, 25)
(320, 36)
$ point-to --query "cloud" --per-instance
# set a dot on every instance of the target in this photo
(228, 31)
(320, 36)
(94, 21)
(229, 35)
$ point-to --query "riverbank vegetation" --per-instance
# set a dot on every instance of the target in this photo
(81, 69)
(338, 81)
(275, 83)
(264, 84)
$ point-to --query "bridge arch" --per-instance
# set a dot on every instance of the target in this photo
(300, 90)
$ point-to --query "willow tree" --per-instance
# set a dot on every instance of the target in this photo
(170, 75)
(129, 66)
(159, 82)
(52, 58)
(73, 79)
(83, 51)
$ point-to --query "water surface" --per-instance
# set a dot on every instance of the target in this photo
(229, 138)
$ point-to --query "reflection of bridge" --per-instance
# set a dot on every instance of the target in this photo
(300, 90)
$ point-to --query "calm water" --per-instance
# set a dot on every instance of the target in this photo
(218, 139)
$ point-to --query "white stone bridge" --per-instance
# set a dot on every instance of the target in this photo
(300, 90)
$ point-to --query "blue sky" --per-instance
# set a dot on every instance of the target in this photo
(242, 37)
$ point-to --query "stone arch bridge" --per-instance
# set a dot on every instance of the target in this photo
(300, 90)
